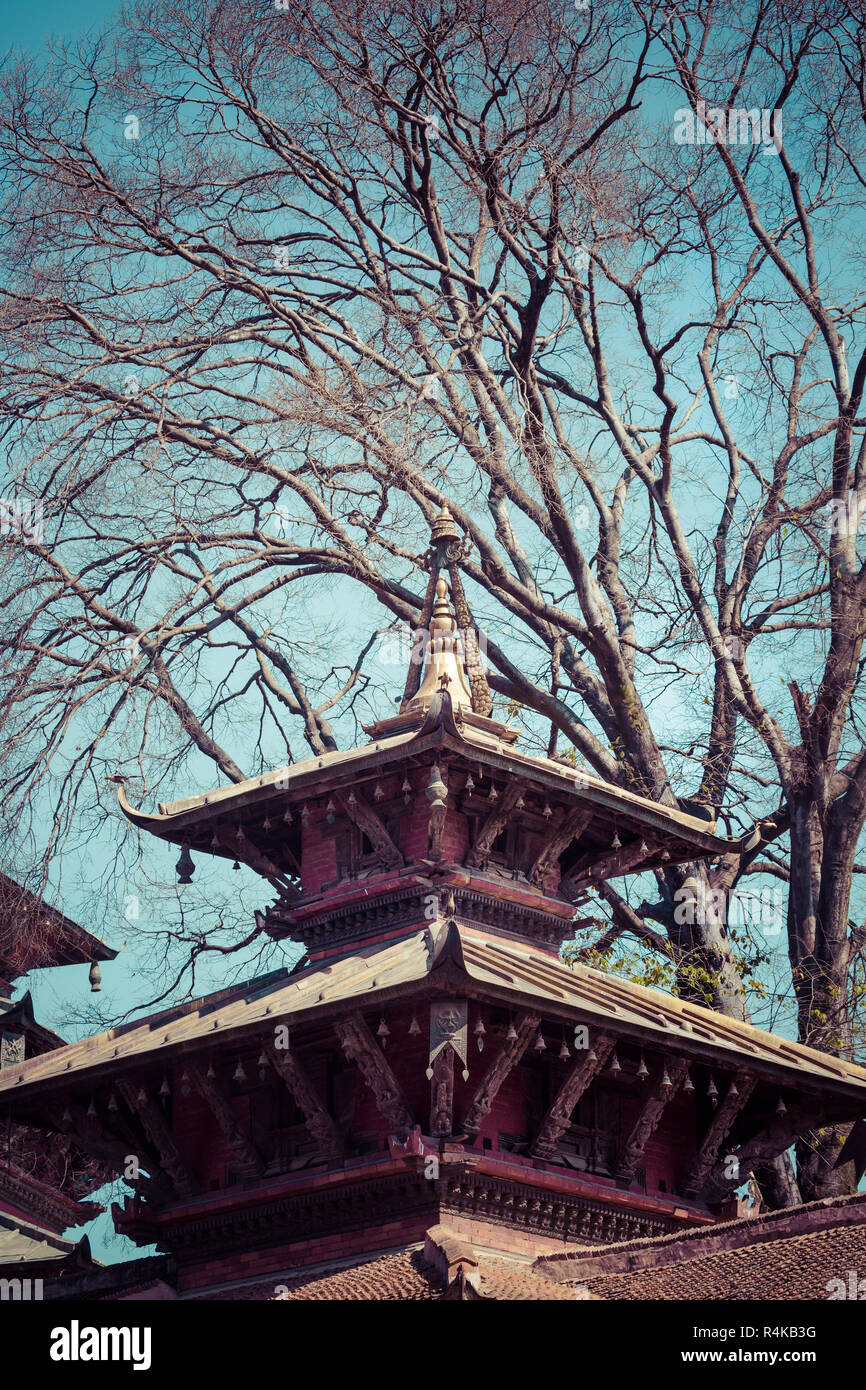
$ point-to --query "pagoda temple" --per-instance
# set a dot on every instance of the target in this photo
(430, 1071)
(41, 1183)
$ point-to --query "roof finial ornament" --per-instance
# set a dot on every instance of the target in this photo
(467, 679)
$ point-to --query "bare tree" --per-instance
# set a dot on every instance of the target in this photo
(280, 284)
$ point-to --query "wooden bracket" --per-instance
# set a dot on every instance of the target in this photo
(558, 1117)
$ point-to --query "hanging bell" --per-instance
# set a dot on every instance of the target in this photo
(184, 866)
(414, 1026)
(616, 842)
(95, 978)
(436, 790)
(592, 1055)
(66, 1117)
(112, 1101)
(236, 865)
(165, 1089)
(266, 824)
(470, 784)
(643, 1069)
(239, 1074)
(733, 1090)
(520, 804)
(614, 1065)
(688, 1084)
(406, 789)
(713, 1092)
(666, 1081)
(643, 847)
(479, 1030)
(547, 812)
(305, 813)
(540, 1044)
(141, 1096)
(781, 1107)
(493, 794)
(240, 834)
(378, 791)
(511, 1035)
(210, 1073)
(330, 810)
(384, 1032)
(262, 1065)
(214, 841)
(91, 1109)
(563, 1051)
(287, 816)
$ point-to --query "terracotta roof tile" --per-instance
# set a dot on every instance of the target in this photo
(790, 1254)
(403, 1277)
(800, 1267)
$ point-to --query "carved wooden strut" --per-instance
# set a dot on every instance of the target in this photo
(359, 1044)
(647, 1121)
(558, 1117)
(316, 1118)
(500, 1068)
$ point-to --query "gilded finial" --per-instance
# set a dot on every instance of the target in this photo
(444, 528)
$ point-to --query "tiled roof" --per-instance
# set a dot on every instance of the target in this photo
(791, 1254)
(34, 935)
(514, 970)
(402, 1277)
(21, 1242)
(472, 737)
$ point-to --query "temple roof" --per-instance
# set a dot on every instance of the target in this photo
(445, 718)
(803, 1252)
(34, 936)
(458, 958)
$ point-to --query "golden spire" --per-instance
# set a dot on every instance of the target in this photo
(444, 658)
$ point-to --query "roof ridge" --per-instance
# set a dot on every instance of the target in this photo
(679, 1247)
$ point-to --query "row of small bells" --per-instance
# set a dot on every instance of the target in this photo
(614, 1065)
(186, 867)
(384, 1032)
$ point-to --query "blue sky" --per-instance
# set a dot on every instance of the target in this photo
(124, 982)
(28, 26)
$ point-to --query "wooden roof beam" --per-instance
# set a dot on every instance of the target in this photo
(720, 1127)
(493, 825)
(571, 827)
(223, 1112)
(91, 1137)
(159, 1133)
(610, 865)
(372, 825)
